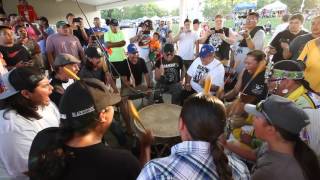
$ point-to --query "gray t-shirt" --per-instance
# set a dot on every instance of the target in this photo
(297, 45)
(276, 166)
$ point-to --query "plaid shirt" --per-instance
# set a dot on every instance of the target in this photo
(190, 160)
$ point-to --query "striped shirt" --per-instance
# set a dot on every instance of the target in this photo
(190, 160)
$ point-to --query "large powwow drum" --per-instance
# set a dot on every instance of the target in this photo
(162, 120)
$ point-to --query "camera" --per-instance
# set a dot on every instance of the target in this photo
(77, 20)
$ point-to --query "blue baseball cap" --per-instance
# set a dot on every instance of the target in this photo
(132, 48)
(206, 50)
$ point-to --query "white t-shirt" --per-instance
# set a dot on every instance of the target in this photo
(198, 71)
(241, 52)
(186, 45)
(16, 136)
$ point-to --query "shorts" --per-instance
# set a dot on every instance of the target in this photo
(119, 68)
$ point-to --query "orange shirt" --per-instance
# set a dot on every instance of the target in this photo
(155, 44)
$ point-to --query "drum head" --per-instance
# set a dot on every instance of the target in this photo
(161, 119)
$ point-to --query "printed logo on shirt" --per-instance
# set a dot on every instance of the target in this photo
(258, 89)
(215, 41)
(13, 54)
(201, 72)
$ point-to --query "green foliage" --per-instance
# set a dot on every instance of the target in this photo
(138, 11)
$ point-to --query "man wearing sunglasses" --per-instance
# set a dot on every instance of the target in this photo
(169, 74)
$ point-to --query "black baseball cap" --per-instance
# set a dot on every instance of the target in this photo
(280, 112)
(114, 22)
(168, 48)
(94, 52)
(84, 98)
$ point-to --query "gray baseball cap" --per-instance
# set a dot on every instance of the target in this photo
(64, 59)
(280, 112)
(7, 89)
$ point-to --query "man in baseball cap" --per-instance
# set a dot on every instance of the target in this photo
(60, 76)
(204, 66)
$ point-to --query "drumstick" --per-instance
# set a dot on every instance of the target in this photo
(135, 114)
(261, 67)
(207, 85)
(71, 74)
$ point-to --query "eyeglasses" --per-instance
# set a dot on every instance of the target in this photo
(259, 108)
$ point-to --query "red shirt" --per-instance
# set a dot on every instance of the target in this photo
(28, 12)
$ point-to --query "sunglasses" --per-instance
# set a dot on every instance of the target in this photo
(259, 108)
(169, 54)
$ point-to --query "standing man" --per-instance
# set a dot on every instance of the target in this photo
(97, 30)
(281, 27)
(187, 42)
(163, 31)
(115, 41)
(220, 38)
(46, 31)
(252, 39)
(298, 43)
(280, 44)
(15, 55)
(63, 42)
(196, 26)
(78, 30)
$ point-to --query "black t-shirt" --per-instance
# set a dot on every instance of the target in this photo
(138, 70)
(286, 36)
(171, 69)
(56, 94)
(13, 55)
(92, 162)
(78, 34)
(257, 86)
(222, 48)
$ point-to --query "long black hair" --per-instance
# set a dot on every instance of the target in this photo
(305, 156)
(205, 119)
(23, 78)
(48, 158)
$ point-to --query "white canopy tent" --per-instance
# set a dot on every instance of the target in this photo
(276, 6)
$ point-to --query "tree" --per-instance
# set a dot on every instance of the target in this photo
(137, 11)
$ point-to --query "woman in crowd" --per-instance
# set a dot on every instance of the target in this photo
(31, 45)
(247, 83)
(278, 121)
(75, 149)
(26, 110)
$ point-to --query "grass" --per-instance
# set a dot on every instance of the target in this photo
(229, 23)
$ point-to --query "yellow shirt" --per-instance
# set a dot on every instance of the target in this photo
(311, 56)
(301, 98)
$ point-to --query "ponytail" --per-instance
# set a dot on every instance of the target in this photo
(221, 161)
(307, 160)
(304, 155)
(49, 162)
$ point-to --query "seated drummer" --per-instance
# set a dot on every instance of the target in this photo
(199, 155)
(169, 74)
(249, 82)
(202, 67)
(95, 67)
(136, 73)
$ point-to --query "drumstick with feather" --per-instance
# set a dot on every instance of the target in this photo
(135, 114)
(207, 85)
(71, 74)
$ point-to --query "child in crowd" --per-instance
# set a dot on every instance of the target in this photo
(155, 47)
